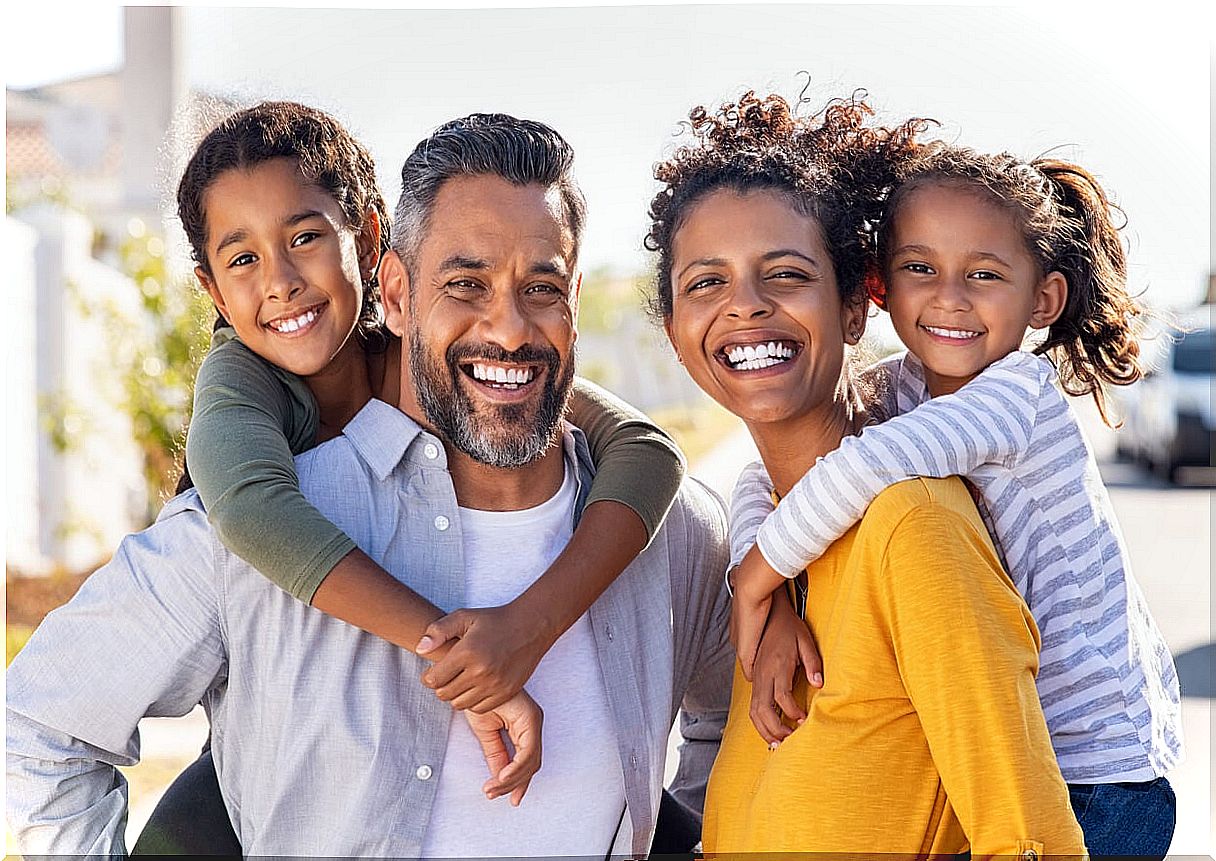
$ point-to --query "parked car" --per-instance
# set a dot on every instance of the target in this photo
(1169, 419)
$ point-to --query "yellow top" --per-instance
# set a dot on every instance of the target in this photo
(927, 736)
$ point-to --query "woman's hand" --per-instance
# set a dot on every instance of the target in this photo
(753, 582)
(787, 644)
(522, 719)
(493, 654)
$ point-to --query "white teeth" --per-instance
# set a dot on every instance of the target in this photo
(957, 334)
(294, 323)
(501, 376)
(753, 357)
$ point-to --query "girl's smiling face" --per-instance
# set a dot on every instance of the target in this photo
(961, 286)
(285, 266)
(757, 318)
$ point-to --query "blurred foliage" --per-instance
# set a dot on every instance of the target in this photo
(153, 355)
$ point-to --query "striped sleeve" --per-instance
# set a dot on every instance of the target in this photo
(988, 421)
(750, 502)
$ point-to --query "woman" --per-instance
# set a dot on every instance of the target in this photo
(927, 735)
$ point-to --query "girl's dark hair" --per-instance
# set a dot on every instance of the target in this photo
(1069, 226)
(328, 156)
(831, 166)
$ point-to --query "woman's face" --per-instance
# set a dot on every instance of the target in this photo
(756, 315)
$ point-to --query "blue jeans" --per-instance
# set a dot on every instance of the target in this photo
(1121, 819)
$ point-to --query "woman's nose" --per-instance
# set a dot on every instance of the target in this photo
(747, 300)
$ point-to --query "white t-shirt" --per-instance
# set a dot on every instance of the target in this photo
(574, 803)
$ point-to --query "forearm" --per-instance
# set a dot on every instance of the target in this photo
(609, 536)
(988, 421)
(62, 796)
(358, 591)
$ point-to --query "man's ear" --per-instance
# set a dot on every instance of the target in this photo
(208, 284)
(1050, 297)
(395, 291)
(576, 290)
(367, 245)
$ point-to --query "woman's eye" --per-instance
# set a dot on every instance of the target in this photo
(788, 275)
(701, 283)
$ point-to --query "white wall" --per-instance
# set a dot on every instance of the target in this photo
(66, 508)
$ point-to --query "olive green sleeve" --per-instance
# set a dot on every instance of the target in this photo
(250, 418)
(637, 463)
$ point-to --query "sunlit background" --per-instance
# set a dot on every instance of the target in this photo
(103, 103)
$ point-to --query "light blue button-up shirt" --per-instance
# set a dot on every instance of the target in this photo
(325, 741)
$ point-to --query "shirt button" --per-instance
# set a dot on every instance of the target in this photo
(633, 760)
(424, 772)
(431, 451)
(608, 632)
(442, 523)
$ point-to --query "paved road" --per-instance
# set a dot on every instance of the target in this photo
(1168, 536)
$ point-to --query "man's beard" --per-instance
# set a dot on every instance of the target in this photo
(506, 437)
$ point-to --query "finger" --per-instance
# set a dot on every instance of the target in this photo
(515, 777)
(487, 703)
(784, 697)
(449, 627)
(812, 663)
(453, 689)
(494, 749)
(765, 716)
(445, 671)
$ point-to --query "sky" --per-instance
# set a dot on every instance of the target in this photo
(1125, 94)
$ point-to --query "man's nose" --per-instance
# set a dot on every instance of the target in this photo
(746, 300)
(505, 323)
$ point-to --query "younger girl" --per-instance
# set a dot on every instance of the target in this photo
(286, 225)
(973, 249)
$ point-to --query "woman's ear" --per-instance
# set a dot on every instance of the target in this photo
(367, 245)
(208, 284)
(395, 293)
(671, 338)
(854, 318)
(1050, 297)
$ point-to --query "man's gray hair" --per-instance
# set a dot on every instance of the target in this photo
(520, 151)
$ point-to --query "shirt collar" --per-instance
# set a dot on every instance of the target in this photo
(382, 434)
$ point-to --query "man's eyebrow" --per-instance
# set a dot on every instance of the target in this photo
(460, 261)
(547, 267)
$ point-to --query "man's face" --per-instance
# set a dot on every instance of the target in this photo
(491, 324)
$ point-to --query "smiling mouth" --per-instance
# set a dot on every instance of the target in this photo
(952, 334)
(498, 376)
(293, 324)
(757, 356)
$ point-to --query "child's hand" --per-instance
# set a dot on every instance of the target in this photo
(494, 654)
(754, 582)
(787, 643)
(522, 718)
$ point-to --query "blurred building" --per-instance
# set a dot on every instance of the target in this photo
(82, 160)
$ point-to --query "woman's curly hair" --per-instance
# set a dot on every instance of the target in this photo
(327, 154)
(833, 166)
(1070, 226)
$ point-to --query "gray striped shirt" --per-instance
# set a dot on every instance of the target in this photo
(1106, 679)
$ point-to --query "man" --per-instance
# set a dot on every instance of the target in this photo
(325, 740)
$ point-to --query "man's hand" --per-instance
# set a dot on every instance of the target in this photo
(495, 652)
(522, 719)
(787, 643)
(754, 582)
